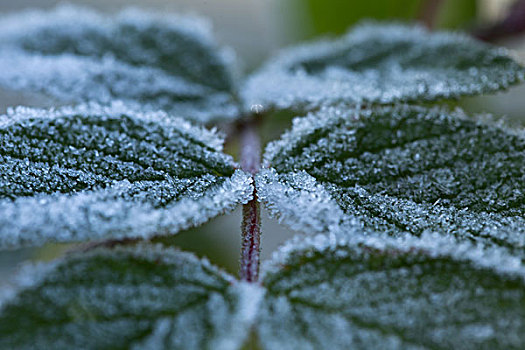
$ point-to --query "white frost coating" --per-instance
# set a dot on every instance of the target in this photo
(193, 26)
(327, 117)
(433, 245)
(250, 296)
(156, 339)
(16, 25)
(92, 57)
(200, 184)
(182, 302)
(300, 202)
(378, 165)
(28, 276)
(351, 291)
(67, 77)
(210, 137)
(95, 215)
(285, 82)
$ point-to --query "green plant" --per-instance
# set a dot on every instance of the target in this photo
(411, 214)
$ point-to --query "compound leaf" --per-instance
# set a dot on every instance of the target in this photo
(157, 62)
(331, 293)
(381, 64)
(142, 297)
(396, 170)
(93, 172)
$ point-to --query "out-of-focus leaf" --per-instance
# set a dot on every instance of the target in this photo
(457, 14)
(330, 293)
(142, 297)
(399, 169)
(94, 172)
(158, 62)
(381, 64)
(335, 16)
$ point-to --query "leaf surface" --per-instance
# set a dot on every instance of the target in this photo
(381, 64)
(157, 62)
(93, 172)
(142, 297)
(331, 293)
(396, 170)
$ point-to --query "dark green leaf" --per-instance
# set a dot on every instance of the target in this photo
(158, 62)
(329, 293)
(399, 169)
(96, 172)
(381, 64)
(143, 297)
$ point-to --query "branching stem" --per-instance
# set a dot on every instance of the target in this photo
(250, 158)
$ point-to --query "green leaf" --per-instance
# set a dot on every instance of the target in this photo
(157, 62)
(330, 293)
(334, 16)
(95, 172)
(142, 297)
(399, 169)
(381, 64)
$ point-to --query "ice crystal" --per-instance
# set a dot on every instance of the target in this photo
(137, 297)
(299, 201)
(157, 62)
(381, 64)
(332, 292)
(399, 169)
(95, 172)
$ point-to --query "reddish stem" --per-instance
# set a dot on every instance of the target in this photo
(513, 24)
(250, 157)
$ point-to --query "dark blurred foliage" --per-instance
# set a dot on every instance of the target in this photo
(335, 16)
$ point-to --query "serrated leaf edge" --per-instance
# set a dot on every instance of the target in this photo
(211, 137)
(328, 116)
(289, 205)
(432, 244)
(249, 295)
(361, 32)
(144, 221)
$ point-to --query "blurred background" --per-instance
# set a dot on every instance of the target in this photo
(255, 29)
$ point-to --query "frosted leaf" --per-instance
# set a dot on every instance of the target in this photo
(158, 62)
(142, 297)
(93, 172)
(396, 170)
(381, 64)
(329, 292)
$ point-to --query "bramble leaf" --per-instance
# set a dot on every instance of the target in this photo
(331, 293)
(157, 62)
(93, 172)
(142, 297)
(399, 169)
(381, 64)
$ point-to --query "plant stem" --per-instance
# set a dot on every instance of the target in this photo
(250, 158)
(513, 24)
